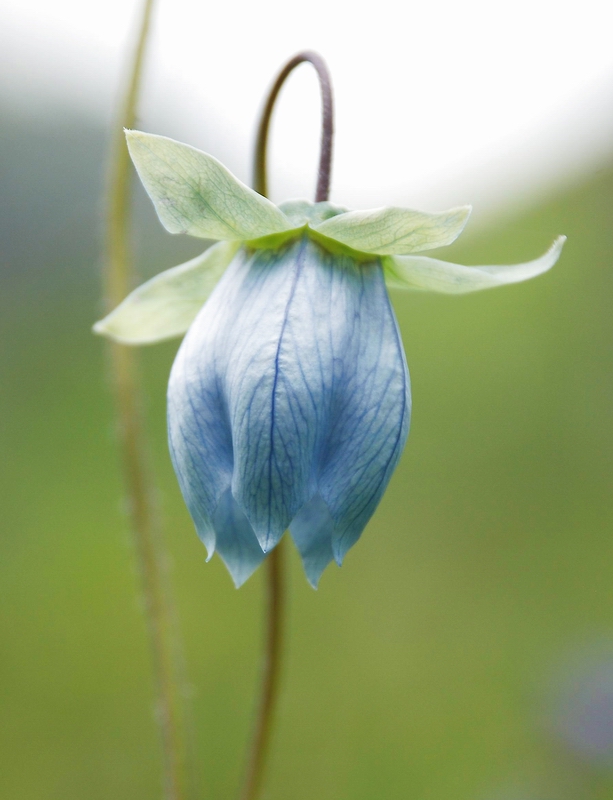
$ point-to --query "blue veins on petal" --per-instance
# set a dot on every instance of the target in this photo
(239, 549)
(311, 530)
(289, 405)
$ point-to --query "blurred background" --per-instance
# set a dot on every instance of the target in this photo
(465, 650)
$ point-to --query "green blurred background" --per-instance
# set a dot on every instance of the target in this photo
(426, 667)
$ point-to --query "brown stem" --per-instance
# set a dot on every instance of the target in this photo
(137, 480)
(271, 670)
(260, 182)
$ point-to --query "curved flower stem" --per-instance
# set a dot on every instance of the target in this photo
(138, 484)
(260, 182)
(275, 581)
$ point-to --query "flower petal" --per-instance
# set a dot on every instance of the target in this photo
(196, 416)
(200, 441)
(225, 370)
(318, 395)
(166, 305)
(369, 428)
(194, 193)
(395, 231)
(312, 530)
(275, 426)
(297, 353)
(236, 542)
(430, 274)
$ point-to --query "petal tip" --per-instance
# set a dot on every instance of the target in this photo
(239, 579)
(132, 137)
(268, 537)
(463, 214)
(553, 253)
(268, 542)
(313, 572)
(240, 566)
(556, 248)
(314, 569)
(103, 328)
(559, 242)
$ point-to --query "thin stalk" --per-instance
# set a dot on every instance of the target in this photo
(271, 673)
(260, 181)
(275, 579)
(140, 494)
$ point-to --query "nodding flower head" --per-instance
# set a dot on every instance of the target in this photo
(289, 399)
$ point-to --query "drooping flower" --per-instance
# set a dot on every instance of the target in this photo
(289, 399)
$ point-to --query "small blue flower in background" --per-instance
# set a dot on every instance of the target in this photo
(580, 704)
(289, 400)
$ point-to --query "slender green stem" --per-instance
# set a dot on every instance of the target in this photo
(275, 581)
(138, 483)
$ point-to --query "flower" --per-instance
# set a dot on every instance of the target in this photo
(289, 399)
(579, 703)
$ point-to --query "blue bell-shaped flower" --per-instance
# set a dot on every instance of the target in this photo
(288, 405)
(289, 399)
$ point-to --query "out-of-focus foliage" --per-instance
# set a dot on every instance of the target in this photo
(415, 671)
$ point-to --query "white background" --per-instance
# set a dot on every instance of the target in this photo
(438, 103)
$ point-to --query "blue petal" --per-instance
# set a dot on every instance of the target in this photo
(200, 443)
(370, 431)
(274, 422)
(236, 542)
(291, 389)
(311, 530)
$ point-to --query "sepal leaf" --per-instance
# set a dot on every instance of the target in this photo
(194, 193)
(166, 305)
(430, 274)
(395, 231)
(302, 212)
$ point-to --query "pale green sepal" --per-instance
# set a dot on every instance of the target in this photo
(166, 306)
(194, 193)
(430, 274)
(395, 231)
(302, 212)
